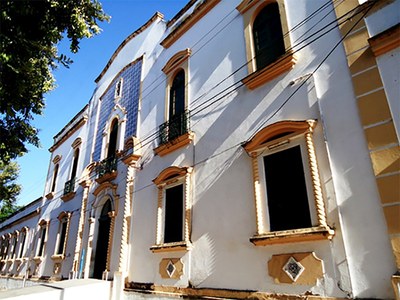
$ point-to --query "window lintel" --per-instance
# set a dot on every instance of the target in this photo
(171, 172)
(176, 60)
(288, 129)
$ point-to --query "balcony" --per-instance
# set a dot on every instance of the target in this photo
(106, 170)
(174, 134)
(69, 190)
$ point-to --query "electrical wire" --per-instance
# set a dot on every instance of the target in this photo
(58, 193)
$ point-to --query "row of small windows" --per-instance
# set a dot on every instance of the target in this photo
(15, 246)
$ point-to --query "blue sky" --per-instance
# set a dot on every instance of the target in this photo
(75, 85)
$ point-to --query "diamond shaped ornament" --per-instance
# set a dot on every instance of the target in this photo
(293, 269)
(170, 269)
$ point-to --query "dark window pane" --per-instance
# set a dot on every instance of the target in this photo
(53, 186)
(112, 144)
(63, 233)
(173, 214)
(177, 95)
(75, 164)
(42, 237)
(267, 35)
(286, 190)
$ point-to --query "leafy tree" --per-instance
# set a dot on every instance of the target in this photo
(9, 190)
(29, 33)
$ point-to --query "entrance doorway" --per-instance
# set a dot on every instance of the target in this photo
(103, 237)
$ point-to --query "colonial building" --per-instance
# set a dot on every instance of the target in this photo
(243, 149)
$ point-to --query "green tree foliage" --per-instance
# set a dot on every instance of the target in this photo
(9, 190)
(29, 33)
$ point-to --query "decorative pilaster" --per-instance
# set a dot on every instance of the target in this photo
(319, 201)
(188, 206)
(89, 247)
(257, 194)
(159, 215)
(81, 226)
(125, 221)
(111, 214)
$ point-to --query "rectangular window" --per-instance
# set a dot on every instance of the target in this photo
(173, 226)
(22, 245)
(42, 238)
(61, 239)
(287, 198)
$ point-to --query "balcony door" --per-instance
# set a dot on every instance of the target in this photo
(177, 124)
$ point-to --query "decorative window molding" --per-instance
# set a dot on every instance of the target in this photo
(385, 41)
(258, 75)
(186, 23)
(42, 238)
(278, 137)
(62, 235)
(171, 234)
(132, 150)
(69, 186)
(53, 184)
(175, 132)
(22, 242)
(118, 89)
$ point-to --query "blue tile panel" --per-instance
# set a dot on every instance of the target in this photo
(129, 101)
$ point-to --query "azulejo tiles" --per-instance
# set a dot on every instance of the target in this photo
(303, 268)
(171, 268)
(293, 268)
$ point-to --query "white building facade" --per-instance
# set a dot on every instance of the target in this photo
(225, 153)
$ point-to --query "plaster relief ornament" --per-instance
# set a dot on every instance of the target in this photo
(293, 269)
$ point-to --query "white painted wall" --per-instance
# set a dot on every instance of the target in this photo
(358, 261)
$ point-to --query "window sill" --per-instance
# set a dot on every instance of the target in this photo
(68, 196)
(171, 247)
(107, 177)
(49, 196)
(259, 77)
(58, 257)
(293, 236)
(177, 143)
(37, 259)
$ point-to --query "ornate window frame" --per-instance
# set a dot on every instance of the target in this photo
(41, 241)
(23, 242)
(119, 114)
(178, 62)
(63, 218)
(170, 177)
(249, 10)
(118, 89)
(69, 186)
(54, 177)
(270, 137)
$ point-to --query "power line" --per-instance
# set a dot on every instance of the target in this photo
(220, 94)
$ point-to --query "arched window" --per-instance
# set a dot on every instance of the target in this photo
(103, 240)
(177, 120)
(112, 143)
(177, 95)
(55, 174)
(75, 163)
(268, 36)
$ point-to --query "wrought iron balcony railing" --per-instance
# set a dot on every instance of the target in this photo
(175, 127)
(69, 186)
(107, 166)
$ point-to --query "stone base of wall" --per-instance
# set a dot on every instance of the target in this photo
(150, 291)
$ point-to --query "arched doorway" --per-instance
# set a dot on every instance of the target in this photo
(103, 237)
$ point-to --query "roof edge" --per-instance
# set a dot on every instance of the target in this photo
(156, 16)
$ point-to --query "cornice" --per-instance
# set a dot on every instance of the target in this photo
(156, 16)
